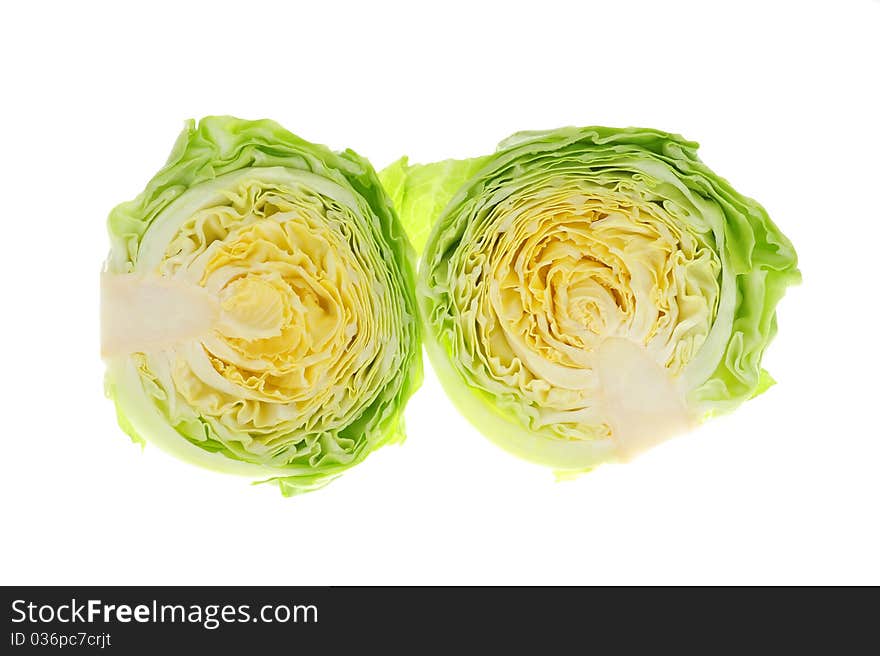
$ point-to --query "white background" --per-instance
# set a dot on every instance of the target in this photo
(782, 97)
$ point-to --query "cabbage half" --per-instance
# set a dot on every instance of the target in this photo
(589, 292)
(258, 314)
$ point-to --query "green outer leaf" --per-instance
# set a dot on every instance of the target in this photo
(216, 146)
(421, 191)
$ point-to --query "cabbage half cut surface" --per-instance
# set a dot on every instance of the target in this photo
(258, 315)
(589, 292)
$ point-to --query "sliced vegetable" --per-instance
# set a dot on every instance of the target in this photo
(257, 307)
(590, 292)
